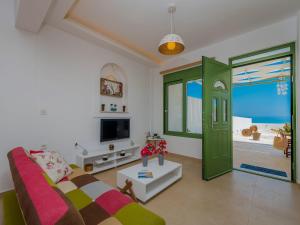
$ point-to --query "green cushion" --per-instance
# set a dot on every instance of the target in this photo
(73, 166)
(49, 181)
(12, 213)
(79, 198)
(134, 214)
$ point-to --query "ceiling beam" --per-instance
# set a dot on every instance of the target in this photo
(182, 67)
(58, 16)
(30, 14)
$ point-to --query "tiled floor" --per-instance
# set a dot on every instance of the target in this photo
(261, 155)
(234, 199)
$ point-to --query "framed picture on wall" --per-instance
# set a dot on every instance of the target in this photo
(111, 88)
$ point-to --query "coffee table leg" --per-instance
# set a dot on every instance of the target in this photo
(127, 189)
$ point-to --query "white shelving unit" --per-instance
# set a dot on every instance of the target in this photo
(114, 159)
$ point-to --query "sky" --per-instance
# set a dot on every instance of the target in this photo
(262, 103)
(194, 89)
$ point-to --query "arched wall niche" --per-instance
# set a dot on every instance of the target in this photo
(114, 72)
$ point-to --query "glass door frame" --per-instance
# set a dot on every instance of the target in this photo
(276, 52)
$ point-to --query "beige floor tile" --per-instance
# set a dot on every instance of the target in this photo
(260, 155)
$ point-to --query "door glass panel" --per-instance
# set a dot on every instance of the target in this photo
(225, 110)
(219, 85)
(194, 106)
(175, 107)
(215, 110)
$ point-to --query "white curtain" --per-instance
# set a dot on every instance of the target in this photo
(175, 107)
(194, 115)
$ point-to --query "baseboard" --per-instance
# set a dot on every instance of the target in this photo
(185, 156)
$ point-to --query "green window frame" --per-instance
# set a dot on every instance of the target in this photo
(279, 51)
(183, 77)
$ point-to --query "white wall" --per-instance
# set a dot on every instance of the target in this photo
(57, 72)
(240, 123)
(279, 33)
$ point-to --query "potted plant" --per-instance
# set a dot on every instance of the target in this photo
(281, 140)
(146, 152)
(161, 151)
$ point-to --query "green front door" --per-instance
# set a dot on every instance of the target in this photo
(217, 136)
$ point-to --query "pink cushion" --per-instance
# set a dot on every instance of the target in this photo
(32, 152)
(53, 164)
(49, 206)
(112, 201)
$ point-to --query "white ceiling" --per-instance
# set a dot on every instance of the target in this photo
(140, 24)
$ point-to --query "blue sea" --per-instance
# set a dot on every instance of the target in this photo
(269, 119)
(262, 103)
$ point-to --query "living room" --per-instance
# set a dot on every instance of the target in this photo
(54, 55)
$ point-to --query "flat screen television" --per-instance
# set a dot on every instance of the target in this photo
(114, 129)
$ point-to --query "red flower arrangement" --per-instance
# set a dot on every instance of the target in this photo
(162, 148)
(148, 150)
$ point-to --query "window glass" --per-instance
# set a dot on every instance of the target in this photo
(219, 85)
(194, 106)
(225, 110)
(215, 110)
(175, 93)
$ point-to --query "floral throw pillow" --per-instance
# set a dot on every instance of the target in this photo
(53, 164)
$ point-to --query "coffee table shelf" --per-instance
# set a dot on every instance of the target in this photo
(146, 188)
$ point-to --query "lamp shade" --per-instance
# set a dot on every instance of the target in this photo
(171, 44)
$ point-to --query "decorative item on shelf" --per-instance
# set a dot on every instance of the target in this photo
(122, 153)
(132, 143)
(148, 134)
(111, 88)
(161, 151)
(88, 167)
(113, 107)
(84, 151)
(102, 107)
(156, 136)
(105, 158)
(146, 152)
(124, 108)
(111, 147)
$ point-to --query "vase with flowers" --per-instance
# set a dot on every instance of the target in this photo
(146, 152)
(161, 151)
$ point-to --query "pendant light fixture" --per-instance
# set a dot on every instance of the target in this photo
(171, 44)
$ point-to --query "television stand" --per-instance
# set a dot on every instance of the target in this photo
(107, 159)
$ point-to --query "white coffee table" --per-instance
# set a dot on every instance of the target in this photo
(146, 188)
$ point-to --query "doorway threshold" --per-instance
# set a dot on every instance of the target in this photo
(263, 174)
